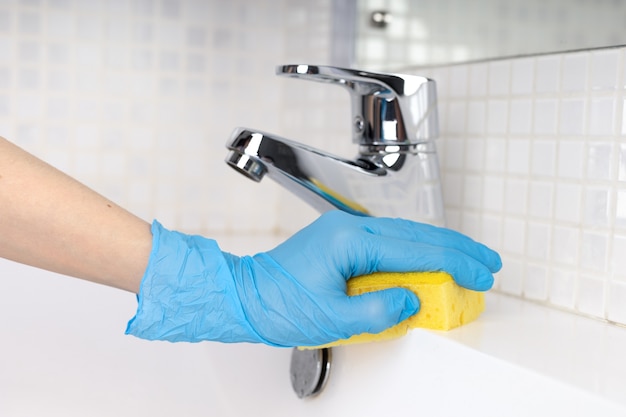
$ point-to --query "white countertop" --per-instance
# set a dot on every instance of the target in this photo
(569, 348)
(65, 354)
(517, 359)
(564, 349)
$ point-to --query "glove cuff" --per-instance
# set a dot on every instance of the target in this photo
(188, 293)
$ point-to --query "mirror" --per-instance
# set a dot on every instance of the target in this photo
(405, 33)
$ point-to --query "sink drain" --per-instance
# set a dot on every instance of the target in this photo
(309, 371)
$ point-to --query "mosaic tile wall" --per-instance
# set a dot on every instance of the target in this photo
(533, 154)
(138, 98)
(533, 150)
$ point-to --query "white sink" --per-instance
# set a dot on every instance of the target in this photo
(64, 353)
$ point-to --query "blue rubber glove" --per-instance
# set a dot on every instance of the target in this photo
(295, 294)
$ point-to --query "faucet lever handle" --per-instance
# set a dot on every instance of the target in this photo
(387, 109)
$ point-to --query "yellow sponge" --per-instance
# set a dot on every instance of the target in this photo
(443, 304)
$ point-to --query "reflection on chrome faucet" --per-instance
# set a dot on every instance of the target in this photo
(396, 172)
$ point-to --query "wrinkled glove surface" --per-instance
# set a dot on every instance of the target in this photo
(295, 294)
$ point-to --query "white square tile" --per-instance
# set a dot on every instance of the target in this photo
(567, 203)
(621, 175)
(116, 84)
(58, 81)
(616, 308)
(114, 111)
(374, 48)
(493, 193)
(594, 251)
(28, 136)
(453, 190)
(496, 156)
(518, 156)
(562, 287)
(597, 206)
(514, 236)
(491, 231)
(6, 78)
(87, 110)
(516, 196)
(6, 51)
(602, 117)
(91, 7)
(418, 29)
(618, 260)
(538, 240)
(173, 35)
(499, 77)
(623, 70)
(623, 119)
(565, 245)
(536, 282)
(418, 52)
(28, 106)
(114, 140)
(58, 53)
(169, 60)
(497, 116)
(29, 23)
(453, 218)
(572, 116)
(441, 77)
(141, 167)
(574, 72)
(591, 293)
(472, 191)
(547, 76)
(541, 199)
(86, 164)
(89, 28)
(604, 72)
(60, 160)
(511, 277)
(471, 224)
(29, 79)
(543, 158)
(475, 154)
(599, 160)
(6, 21)
(113, 164)
(144, 139)
(545, 116)
(454, 157)
(522, 77)
(59, 24)
(29, 52)
(620, 208)
(570, 159)
(520, 117)
(476, 117)
(87, 82)
(58, 137)
(456, 117)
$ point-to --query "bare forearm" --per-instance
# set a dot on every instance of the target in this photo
(51, 221)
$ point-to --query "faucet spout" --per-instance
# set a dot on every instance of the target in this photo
(374, 184)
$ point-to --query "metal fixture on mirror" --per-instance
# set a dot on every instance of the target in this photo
(380, 19)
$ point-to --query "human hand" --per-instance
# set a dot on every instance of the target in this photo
(295, 294)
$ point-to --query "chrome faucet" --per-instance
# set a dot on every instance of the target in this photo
(396, 172)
